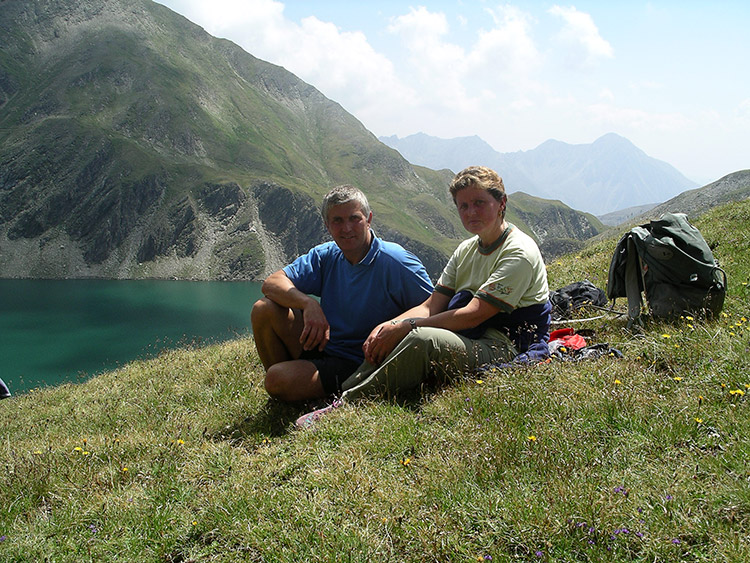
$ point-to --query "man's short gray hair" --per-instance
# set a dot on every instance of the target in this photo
(344, 194)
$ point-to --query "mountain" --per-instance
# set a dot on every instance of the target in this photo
(732, 187)
(605, 176)
(619, 217)
(135, 145)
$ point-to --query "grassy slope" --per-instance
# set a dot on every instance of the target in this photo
(183, 458)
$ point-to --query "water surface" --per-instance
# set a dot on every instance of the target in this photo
(54, 331)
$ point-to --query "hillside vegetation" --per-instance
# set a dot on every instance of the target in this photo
(184, 458)
(135, 145)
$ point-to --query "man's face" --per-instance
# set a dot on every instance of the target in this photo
(350, 229)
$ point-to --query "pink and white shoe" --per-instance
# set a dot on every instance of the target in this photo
(307, 420)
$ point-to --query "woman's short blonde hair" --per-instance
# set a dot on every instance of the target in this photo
(479, 177)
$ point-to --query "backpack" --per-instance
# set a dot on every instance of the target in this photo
(577, 295)
(671, 262)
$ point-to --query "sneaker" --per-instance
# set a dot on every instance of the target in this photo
(307, 420)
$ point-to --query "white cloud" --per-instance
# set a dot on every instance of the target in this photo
(581, 36)
(742, 112)
(342, 65)
(607, 94)
(499, 73)
(630, 119)
(459, 81)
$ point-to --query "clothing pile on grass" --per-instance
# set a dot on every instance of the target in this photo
(566, 343)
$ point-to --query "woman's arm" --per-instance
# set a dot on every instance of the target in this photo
(386, 336)
(432, 313)
(473, 314)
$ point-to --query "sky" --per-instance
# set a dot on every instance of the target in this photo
(673, 77)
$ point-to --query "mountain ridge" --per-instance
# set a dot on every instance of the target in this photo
(600, 177)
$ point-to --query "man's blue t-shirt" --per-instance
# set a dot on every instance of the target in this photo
(357, 297)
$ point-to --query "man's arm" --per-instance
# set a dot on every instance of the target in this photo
(316, 332)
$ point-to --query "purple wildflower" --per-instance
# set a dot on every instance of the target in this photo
(539, 553)
(676, 541)
(3, 538)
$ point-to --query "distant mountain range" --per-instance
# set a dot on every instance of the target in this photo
(135, 145)
(605, 176)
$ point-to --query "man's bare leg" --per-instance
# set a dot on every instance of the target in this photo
(296, 380)
(277, 330)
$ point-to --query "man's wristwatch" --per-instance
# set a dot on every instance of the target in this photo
(412, 323)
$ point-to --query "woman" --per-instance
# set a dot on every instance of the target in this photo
(490, 303)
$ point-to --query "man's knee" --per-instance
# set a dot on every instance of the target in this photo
(262, 311)
(274, 382)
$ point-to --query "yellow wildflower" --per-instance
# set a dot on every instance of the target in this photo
(480, 381)
(699, 420)
(677, 378)
(532, 438)
(406, 461)
(618, 382)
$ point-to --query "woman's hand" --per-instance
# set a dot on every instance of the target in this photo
(383, 339)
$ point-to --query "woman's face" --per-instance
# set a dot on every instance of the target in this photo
(480, 212)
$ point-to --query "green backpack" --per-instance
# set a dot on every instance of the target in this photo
(671, 262)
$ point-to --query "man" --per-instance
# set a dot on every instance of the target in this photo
(308, 347)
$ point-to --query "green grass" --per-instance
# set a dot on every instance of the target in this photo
(184, 458)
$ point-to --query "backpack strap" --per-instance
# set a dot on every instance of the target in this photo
(633, 284)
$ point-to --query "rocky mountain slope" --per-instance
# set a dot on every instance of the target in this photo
(133, 144)
(605, 176)
(732, 187)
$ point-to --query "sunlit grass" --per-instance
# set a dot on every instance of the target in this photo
(183, 458)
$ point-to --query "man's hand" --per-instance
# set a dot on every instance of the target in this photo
(316, 331)
(382, 340)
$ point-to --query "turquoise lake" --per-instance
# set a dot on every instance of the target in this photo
(56, 331)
